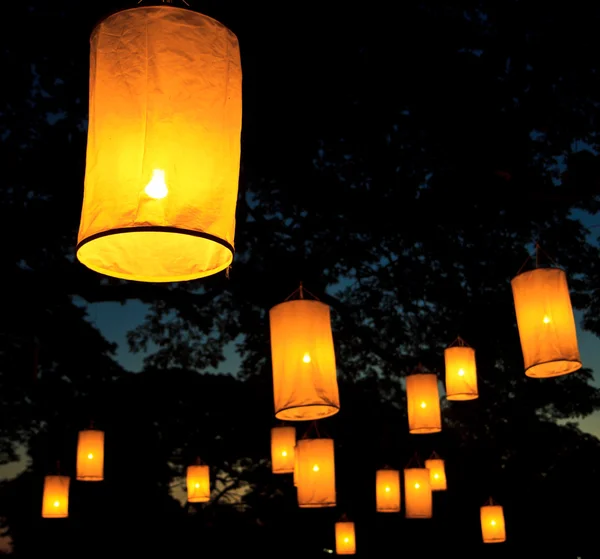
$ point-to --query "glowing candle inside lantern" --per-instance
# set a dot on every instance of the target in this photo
(306, 358)
(157, 187)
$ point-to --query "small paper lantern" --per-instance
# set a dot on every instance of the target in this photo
(387, 490)
(492, 524)
(198, 483)
(283, 442)
(461, 372)
(345, 540)
(90, 455)
(163, 151)
(437, 474)
(423, 399)
(417, 493)
(304, 374)
(55, 500)
(316, 473)
(546, 323)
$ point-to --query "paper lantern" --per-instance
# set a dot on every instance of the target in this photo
(417, 493)
(296, 466)
(90, 455)
(387, 490)
(316, 473)
(345, 540)
(198, 483)
(283, 443)
(163, 150)
(55, 500)
(546, 323)
(492, 524)
(304, 374)
(461, 372)
(423, 400)
(437, 474)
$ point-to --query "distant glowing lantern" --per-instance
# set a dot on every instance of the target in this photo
(387, 490)
(198, 483)
(163, 150)
(90, 455)
(345, 539)
(304, 374)
(417, 493)
(283, 442)
(55, 500)
(461, 372)
(492, 524)
(437, 473)
(316, 473)
(546, 323)
(423, 399)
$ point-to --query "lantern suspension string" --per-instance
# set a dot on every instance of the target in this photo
(538, 250)
(434, 456)
(300, 292)
(524, 264)
(414, 461)
(490, 502)
(459, 342)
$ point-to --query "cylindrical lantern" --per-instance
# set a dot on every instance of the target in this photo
(492, 524)
(417, 493)
(163, 151)
(546, 323)
(316, 473)
(437, 474)
(387, 490)
(55, 500)
(296, 466)
(283, 442)
(461, 373)
(304, 374)
(345, 539)
(423, 399)
(90, 455)
(198, 483)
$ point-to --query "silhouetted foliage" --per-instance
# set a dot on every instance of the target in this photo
(400, 160)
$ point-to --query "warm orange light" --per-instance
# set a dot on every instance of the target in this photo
(345, 539)
(163, 150)
(296, 466)
(283, 441)
(437, 474)
(492, 524)
(546, 323)
(315, 474)
(198, 483)
(90, 455)
(387, 490)
(417, 489)
(304, 373)
(55, 499)
(423, 400)
(461, 373)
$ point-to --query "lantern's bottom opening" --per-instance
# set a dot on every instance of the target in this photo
(388, 510)
(198, 500)
(90, 478)
(284, 471)
(307, 412)
(551, 369)
(318, 506)
(462, 396)
(55, 516)
(494, 541)
(425, 430)
(155, 254)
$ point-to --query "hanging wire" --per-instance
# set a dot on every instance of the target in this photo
(459, 342)
(435, 456)
(300, 292)
(415, 461)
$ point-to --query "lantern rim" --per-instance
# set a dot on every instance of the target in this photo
(90, 478)
(201, 235)
(327, 505)
(425, 430)
(462, 396)
(302, 301)
(328, 411)
(540, 269)
(539, 370)
(154, 7)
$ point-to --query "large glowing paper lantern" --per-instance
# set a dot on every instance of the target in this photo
(493, 529)
(461, 372)
(163, 149)
(423, 400)
(90, 455)
(283, 443)
(417, 493)
(55, 500)
(345, 539)
(316, 473)
(304, 374)
(387, 490)
(198, 483)
(546, 323)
